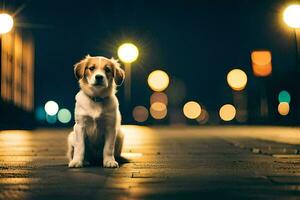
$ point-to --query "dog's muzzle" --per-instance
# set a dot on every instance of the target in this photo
(99, 80)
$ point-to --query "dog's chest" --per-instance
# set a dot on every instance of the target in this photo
(86, 107)
(92, 119)
(93, 126)
(94, 110)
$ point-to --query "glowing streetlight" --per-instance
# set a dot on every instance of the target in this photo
(128, 53)
(291, 16)
(6, 23)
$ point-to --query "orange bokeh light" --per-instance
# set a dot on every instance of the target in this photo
(140, 113)
(261, 63)
(158, 110)
(283, 108)
(159, 97)
(203, 117)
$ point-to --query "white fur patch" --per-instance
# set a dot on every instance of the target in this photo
(86, 107)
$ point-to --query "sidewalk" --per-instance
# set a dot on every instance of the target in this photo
(159, 163)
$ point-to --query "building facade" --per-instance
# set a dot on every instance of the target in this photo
(17, 80)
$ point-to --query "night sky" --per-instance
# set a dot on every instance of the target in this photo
(197, 42)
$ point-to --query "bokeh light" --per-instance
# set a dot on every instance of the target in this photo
(227, 112)
(261, 63)
(261, 57)
(64, 116)
(158, 80)
(51, 119)
(158, 110)
(284, 96)
(40, 114)
(237, 79)
(6, 23)
(51, 108)
(128, 52)
(192, 110)
(159, 97)
(291, 16)
(283, 108)
(140, 113)
(203, 117)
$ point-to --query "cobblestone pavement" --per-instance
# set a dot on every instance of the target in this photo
(158, 163)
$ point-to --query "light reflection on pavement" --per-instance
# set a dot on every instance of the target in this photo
(157, 163)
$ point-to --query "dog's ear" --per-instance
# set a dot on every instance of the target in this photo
(119, 76)
(118, 73)
(79, 69)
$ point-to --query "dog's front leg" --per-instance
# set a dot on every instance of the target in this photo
(79, 146)
(109, 148)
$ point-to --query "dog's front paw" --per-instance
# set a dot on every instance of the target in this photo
(111, 163)
(75, 164)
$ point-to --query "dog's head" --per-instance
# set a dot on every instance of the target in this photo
(99, 73)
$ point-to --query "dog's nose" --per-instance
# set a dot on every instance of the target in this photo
(99, 78)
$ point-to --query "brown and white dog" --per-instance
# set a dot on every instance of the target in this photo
(96, 133)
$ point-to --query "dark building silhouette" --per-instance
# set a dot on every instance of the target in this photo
(17, 80)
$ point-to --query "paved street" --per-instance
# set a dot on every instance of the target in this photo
(158, 163)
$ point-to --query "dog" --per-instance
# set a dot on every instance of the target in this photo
(96, 135)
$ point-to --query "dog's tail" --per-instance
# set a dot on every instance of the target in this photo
(70, 151)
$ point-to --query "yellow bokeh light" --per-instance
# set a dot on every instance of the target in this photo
(140, 113)
(128, 53)
(227, 112)
(158, 80)
(192, 110)
(6, 23)
(159, 97)
(158, 110)
(291, 16)
(237, 79)
(283, 108)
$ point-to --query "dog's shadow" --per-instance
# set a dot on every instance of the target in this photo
(121, 160)
(96, 163)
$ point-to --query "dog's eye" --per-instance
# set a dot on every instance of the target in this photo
(107, 69)
(92, 68)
